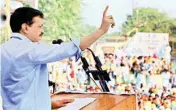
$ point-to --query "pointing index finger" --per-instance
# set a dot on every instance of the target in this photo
(105, 11)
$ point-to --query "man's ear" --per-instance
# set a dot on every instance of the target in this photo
(24, 28)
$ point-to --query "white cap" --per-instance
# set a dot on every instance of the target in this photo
(162, 108)
(153, 95)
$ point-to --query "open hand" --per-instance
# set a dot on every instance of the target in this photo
(107, 21)
(61, 103)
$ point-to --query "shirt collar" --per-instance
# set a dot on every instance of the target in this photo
(20, 36)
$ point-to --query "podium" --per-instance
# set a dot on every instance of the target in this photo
(103, 101)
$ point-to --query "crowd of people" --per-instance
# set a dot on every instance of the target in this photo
(129, 75)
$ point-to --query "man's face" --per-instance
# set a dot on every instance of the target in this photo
(35, 31)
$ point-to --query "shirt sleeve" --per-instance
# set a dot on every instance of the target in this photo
(45, 53)
(78, 54)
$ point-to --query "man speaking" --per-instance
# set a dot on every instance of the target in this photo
(24, 75)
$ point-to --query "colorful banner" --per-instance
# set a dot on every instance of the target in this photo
(145, 44)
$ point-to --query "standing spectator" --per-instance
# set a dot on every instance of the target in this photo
(173, 79)
(166, 78)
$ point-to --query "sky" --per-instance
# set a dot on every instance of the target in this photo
(92, 10)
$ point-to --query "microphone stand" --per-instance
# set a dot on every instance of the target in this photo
(98, 74)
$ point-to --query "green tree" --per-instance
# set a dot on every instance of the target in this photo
(61, 18)
(173, 27)
(148, 20)
(3, 34)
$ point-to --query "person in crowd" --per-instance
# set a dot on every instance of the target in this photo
(53, 83)
(24, 75)
(166, 76)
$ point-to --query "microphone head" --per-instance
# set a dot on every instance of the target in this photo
(54, 42)
(85, 63)
(59, 41)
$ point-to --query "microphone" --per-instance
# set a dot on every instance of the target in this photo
(85, 63)
(97, 60)
(98, 74)
(59, 41)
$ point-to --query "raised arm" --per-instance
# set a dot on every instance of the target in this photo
(107, 21)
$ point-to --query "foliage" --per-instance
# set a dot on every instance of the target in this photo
(62, 19)
(149, 20)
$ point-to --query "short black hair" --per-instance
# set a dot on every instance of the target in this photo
(23, 15)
